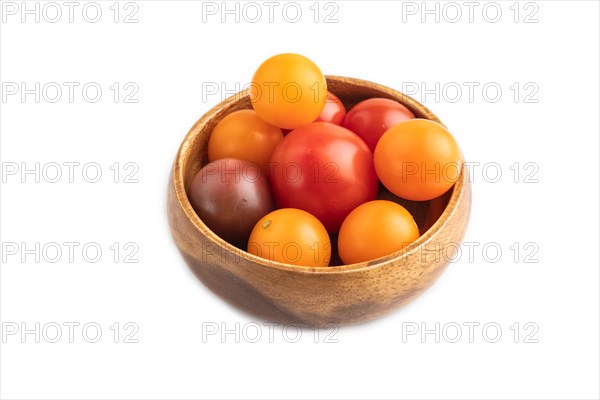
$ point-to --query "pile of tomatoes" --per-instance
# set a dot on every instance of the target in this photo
(297, 170)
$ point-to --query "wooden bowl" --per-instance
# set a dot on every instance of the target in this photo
(342, 294)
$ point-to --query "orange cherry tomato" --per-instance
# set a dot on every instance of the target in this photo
(291, 236)
(288, 90)
(375, 229)
(243, 135)
(418, 159)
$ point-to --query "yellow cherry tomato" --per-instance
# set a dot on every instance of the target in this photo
(288, 90)
(291, 236)
(375, 229)
(245, 136)
(417, 159)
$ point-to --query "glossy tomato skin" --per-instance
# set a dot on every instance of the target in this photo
(325, 170)
(370, 118)
(243, 135)
(288, 90)
(418, 160)
(334, 110)
(291, 236)
(375, 229)
(230, 196)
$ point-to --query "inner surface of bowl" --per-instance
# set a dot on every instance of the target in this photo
(350, 91)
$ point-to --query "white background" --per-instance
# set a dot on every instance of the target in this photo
(171, 54)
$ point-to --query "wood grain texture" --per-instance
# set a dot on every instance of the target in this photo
(343, 294)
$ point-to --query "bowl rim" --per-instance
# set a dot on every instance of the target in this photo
(177, 177)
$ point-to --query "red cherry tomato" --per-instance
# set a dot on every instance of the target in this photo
(334, 111)
(370, 118)
(324, 169)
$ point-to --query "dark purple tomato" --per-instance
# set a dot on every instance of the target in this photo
(371, 118)
(230, 196)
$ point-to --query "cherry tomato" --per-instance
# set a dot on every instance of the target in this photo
(324, 169)
(288, 90)
(334, 110)
(243, 135)
(291, 236)
(418, 160)
(375, 229)
(370, 118)
(229, 196)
